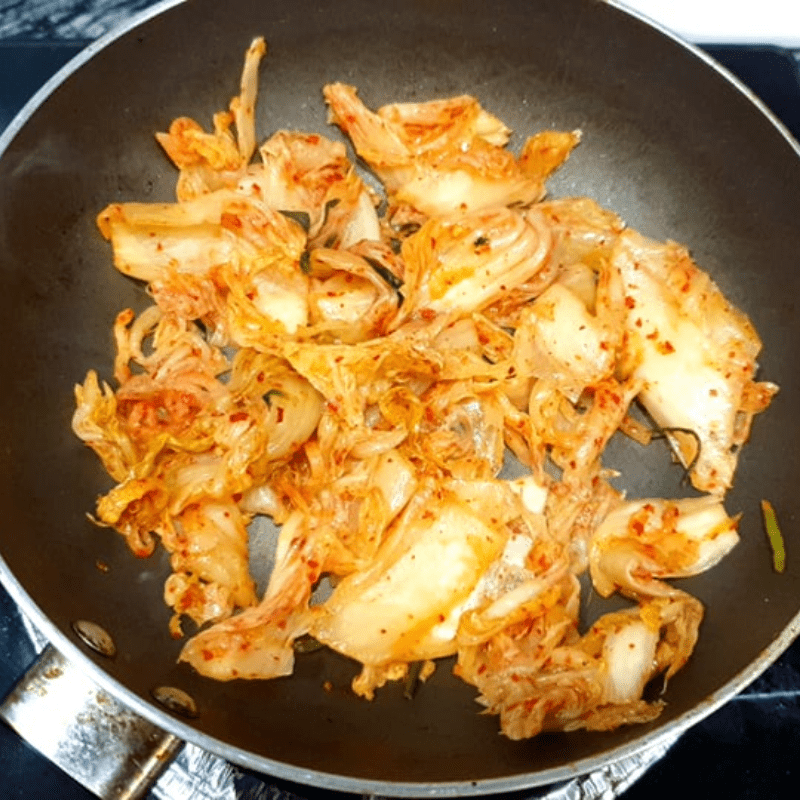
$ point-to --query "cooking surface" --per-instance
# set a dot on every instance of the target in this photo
(747, 748)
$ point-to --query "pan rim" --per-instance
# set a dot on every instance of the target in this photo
(334, 781)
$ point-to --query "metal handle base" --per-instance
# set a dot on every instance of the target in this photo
(104, 746)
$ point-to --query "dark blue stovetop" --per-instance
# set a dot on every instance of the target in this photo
(748, 749)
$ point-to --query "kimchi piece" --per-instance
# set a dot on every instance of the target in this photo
(413, 376)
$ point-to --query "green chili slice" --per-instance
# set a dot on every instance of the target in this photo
(412, 679)
(302, 218)
(774, 535)
(270, 394)
(663, 433)
(306, 644)
(385, 273)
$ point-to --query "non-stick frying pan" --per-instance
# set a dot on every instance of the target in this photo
(670, 143)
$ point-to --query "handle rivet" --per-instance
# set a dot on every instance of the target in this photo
(95, 637)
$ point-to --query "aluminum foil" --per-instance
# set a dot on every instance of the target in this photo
(197, 775)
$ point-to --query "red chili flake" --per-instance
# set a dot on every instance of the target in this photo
(238, 416)
(230, 221)
(543, 562)
(208, 655)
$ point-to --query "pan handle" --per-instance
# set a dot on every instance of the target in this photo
(104, 746)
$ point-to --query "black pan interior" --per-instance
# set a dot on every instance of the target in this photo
(669, 143)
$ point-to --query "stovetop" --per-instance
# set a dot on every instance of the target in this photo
(747, 749)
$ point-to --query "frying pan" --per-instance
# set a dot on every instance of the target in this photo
(671, 143)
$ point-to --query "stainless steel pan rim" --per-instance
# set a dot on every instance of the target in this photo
(261, 763)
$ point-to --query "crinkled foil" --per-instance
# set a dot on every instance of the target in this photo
(613, 779)
(197, 775)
